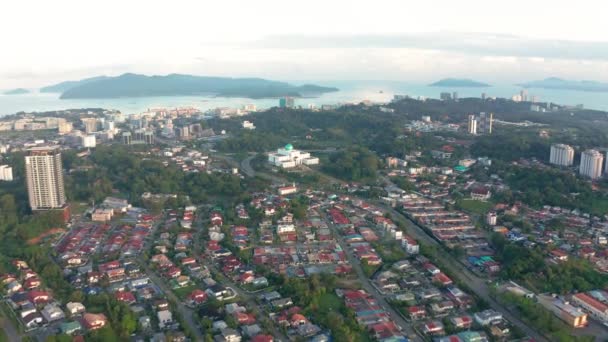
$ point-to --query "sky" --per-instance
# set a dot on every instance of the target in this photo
(43, 42)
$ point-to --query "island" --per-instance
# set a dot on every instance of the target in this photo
(561, 84)
(459, 82)
(135, 85)
(18, 91)
(63, 86)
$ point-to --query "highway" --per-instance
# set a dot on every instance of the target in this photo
(476, 284)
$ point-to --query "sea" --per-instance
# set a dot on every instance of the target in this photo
(350, 91)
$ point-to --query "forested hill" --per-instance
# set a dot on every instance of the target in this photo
(134, 85)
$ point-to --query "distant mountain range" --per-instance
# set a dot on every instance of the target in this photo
(63, 86)
(558, 83)
(458, 82)
(134, 85)
(18, 91)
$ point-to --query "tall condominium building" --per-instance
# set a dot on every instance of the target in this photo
(562, 155)
(484, 123)
(472, 125)
(44, 175)
(90, 125)
(591, 164)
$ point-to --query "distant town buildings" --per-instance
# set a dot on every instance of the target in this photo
(44, 174)
(288, 157)
(445, 96)
(248, 125)
(287, 102)
(591, 164)
(6, 173)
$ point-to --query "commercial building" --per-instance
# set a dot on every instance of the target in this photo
(472, 125)
(126, 138)
(562, 155)
(445, 96)
(596, 308)
(6, 173)
(89, 141)
(288, 157)
(287, 102)
(591, 164)
(491, 218)
(44, 175)
(570, 314)
(64, 127)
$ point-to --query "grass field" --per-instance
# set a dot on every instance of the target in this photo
(474, 206)
(183, 292)
(3, 337)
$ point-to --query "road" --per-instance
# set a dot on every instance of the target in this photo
(9, 329)
(367, 286)
(476, 284)
(246, 297)
(187, 313)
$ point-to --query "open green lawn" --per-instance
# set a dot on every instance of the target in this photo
(474, 206)
(183, 292)
(330, 302)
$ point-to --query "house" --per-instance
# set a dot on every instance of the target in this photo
(262, 338)
(94, 321)
(462, 322)
(27, 308)
(165, 317)
(32, 283)
(251, 330)
(260, 282)
(229, 335)
(281, 303)
(32, 320)
(487, 317)
(145, 322)
(39, 297)
(51, 312)
(416, 312)
(70, 328)
(433, 328)
(481, 193)
(441, 278)
(75, 308)
(13, 287)
(410, 245)
(559, 255)
(197, 297)
(125, 297)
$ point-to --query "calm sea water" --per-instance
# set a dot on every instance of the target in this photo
(350, 91)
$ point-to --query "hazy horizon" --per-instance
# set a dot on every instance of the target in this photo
(502, 43)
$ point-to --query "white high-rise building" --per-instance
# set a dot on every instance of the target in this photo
(562, 155)
(6, 173)
(591, 164)
(472, 125)
(44, 173)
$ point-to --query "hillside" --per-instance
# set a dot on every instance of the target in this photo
(134, 85)
(63, 86)
(18, 91)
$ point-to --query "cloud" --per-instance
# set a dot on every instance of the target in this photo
(482, 44)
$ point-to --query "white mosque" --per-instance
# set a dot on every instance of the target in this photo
(288, 157)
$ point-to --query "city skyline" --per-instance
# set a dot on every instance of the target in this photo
(322, 41)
